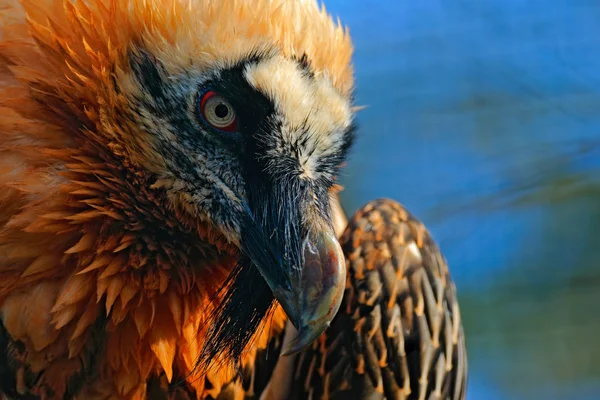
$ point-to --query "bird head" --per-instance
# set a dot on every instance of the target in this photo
(238, 113)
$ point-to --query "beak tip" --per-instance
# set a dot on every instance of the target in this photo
(304, 338)
(315, 295)
(289, 350)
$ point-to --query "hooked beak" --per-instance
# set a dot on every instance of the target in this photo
(316, 291)
(306, 272)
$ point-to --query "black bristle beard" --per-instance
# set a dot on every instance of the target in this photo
(247, 300)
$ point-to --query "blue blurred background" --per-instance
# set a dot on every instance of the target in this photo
(483, 118)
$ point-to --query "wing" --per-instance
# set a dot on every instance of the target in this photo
(398, 334)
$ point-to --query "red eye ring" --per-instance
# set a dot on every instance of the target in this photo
(217, 112)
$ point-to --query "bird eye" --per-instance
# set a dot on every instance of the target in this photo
(217, 112)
